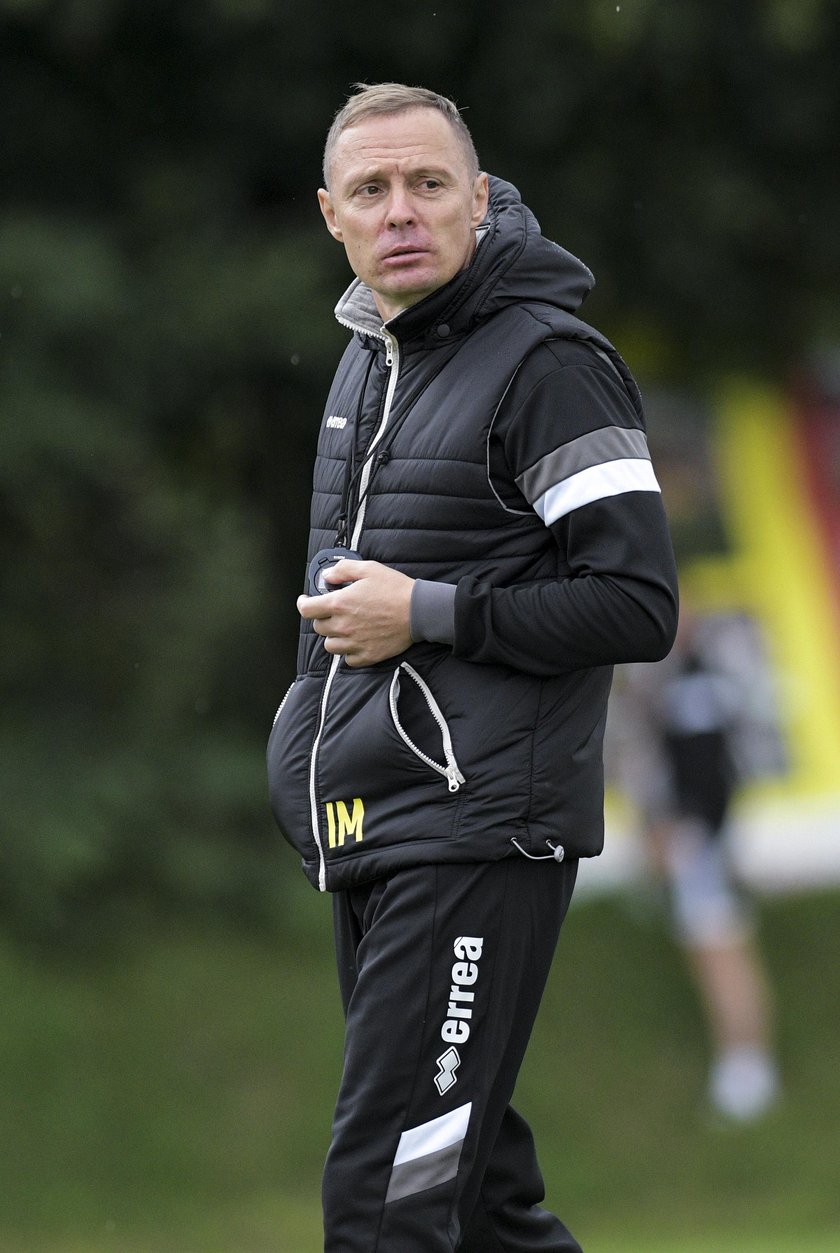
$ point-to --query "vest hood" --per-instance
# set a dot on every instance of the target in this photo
(513, 264)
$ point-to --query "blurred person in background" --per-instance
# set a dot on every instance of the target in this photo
(673, 729)
(488, 539)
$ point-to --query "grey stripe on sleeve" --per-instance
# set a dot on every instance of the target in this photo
(610, 443)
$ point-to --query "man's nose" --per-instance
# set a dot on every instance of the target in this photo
(400, 207)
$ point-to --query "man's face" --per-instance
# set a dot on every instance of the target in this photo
(404, 205)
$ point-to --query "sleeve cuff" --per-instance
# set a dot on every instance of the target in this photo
(432, 612)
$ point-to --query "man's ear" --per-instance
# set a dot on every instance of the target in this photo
(481, 199)
(325, 201)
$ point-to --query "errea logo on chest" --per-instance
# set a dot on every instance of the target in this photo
(335, 423)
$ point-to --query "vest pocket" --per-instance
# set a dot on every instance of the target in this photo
(386, 771)
(449, 768)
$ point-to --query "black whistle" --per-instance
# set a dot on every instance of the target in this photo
(325, 560)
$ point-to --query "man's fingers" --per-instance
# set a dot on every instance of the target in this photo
(322, 606)
(314, 607)
(345, 571)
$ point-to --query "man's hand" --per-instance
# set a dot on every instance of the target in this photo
(367, 621)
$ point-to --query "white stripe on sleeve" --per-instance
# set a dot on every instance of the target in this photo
(611, 478)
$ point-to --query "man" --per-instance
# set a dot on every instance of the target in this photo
(437, 762)
(674, 733)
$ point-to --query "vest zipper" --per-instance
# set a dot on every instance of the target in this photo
(450, 771)
(282, 703)
(313, 767)
(392, 360)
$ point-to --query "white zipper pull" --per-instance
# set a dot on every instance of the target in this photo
(454, 777)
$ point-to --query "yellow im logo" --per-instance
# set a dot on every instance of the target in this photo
(342, 822)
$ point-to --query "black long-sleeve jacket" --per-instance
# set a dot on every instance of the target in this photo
(488, 440)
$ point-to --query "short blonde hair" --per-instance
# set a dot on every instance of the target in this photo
(378, 99)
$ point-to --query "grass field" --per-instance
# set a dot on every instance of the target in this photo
(174, 1096)
(275, 1227)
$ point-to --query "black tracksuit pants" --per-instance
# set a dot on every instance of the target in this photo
(441, 969)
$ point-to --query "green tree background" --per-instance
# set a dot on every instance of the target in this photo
(166, 288)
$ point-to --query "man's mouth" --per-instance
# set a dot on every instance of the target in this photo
(404, 251)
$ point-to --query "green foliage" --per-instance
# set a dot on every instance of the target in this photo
(165, 296)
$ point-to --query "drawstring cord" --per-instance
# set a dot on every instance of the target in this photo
(557, 853)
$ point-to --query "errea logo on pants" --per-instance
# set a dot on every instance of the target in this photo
(456, 1029)
(341, 821)
(447, 1064)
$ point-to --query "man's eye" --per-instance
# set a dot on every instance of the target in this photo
(431, 184)
(368, 190)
